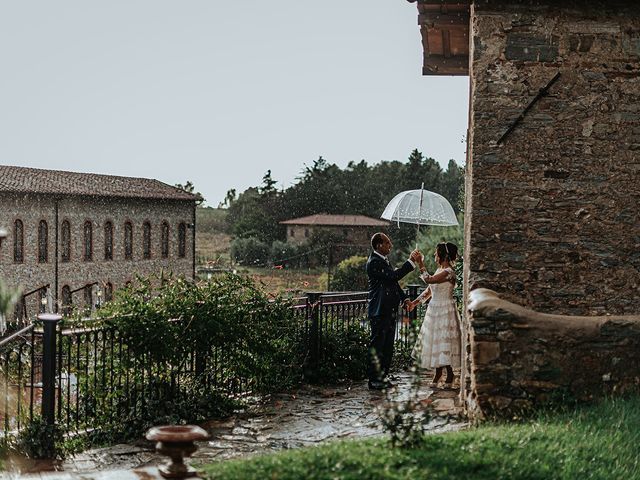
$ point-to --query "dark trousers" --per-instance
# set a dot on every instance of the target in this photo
(383, 334)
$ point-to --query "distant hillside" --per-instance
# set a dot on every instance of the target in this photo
(211, 220)
(212, 239)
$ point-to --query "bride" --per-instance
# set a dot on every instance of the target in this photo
(439, 343)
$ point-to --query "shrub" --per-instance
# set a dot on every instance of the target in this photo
(344, 353)
(350, 275)
(40, 440)
(250, 251)
(241, 335)
(287, 254)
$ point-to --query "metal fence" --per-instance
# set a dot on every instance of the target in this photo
(70, 375)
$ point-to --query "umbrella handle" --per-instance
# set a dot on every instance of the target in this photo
(419, 212)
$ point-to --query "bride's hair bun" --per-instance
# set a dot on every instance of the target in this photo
(447, 251)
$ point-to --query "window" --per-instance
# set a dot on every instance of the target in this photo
(182, 239)
(42, 300)
(292, 232)
(108, 292)
(146, 240)
(66, 300)
(128, 240)
(306, 233)
(108, 241)
(18, 241)
(43, 242)
(88, 296)
(88, 241)
(165, 240)
(20, 311)
(65, 240)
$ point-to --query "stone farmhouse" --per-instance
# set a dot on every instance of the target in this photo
(351, 229)
(73, 238)
(552, 217)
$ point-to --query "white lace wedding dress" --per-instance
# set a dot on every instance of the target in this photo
(439, 341)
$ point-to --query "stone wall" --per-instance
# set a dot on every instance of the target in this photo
(552, 219)
(31, 209)
(523, 359)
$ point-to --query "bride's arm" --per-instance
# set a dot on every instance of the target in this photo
(423, 297)
(443, 276)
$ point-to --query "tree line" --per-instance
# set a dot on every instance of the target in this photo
(358, 189)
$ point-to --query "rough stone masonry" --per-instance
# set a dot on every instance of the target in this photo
(552, 218)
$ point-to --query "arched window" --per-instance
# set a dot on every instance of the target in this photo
(108, 241)
(182, 240)
(67, 306)
(42, 300)
(165, 240)
(88, 241)
(43, 242)
(108, 292)
(18, 241)
(88, 296)
(146, 240)
(19, 312)
(128, 240)
(65, 241)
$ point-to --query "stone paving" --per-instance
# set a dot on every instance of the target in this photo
(308, 416)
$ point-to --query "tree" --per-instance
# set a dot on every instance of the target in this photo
(189, 188)
(229, 198)
(268, 184)
(453, 185)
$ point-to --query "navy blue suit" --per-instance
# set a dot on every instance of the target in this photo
(385, 295)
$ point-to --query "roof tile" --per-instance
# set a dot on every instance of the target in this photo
(337, 220)
(35, 180)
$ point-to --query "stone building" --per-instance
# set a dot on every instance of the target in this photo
(552, 218)
(73, 238)
(350, 229)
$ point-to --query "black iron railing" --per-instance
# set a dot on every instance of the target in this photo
(20, 380)
(87, 377)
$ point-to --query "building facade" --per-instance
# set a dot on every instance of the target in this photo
(552, 221)
(349, 229)
(74, 238)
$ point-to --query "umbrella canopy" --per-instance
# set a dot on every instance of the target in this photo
(421, 207)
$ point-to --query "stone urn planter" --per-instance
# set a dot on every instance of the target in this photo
(176, 442)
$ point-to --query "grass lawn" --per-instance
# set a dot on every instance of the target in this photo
(598, 442)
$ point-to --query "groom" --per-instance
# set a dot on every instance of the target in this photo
(385, 296)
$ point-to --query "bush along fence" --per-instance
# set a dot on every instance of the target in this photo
(133, 368)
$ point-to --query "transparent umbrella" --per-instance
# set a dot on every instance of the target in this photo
(421, 207)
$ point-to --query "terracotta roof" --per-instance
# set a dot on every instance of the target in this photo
(341, 220)
(35, 180)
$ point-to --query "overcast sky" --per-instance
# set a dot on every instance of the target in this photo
(219, 91)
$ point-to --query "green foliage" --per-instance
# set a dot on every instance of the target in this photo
(40, 440)
(250, 251)
(345, 353)
(350, 275)
(8, 298)
(599, 442)
(427, 240)
(288, 255)
(166, 323)
(213, 220)
(325, 187)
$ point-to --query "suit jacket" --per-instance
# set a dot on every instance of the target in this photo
(385, 293)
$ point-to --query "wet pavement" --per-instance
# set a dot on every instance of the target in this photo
(308, 416)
